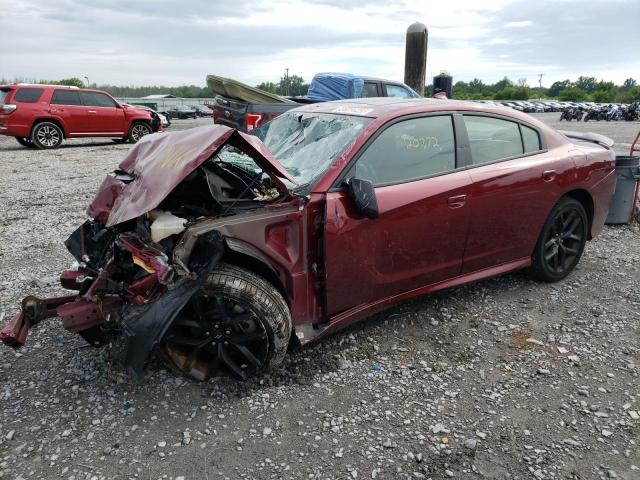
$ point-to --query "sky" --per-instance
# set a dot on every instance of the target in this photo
(177, 42)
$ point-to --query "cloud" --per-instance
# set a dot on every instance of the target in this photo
(520, 24)
(175, 42)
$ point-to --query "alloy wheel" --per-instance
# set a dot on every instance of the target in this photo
(563, 242)
(216, 336)
(48, 136)
(138, 131)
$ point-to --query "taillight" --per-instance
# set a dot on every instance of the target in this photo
(253, 120)
(8, 108)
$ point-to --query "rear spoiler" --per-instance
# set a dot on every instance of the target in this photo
(589, 137)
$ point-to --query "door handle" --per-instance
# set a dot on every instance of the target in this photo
(91, 111)
(457, 201)
(548, 175)
(56, 110)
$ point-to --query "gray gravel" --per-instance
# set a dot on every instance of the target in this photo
(503, 379)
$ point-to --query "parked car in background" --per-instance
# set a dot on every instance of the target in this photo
(222, 249)
(247, 115)
(203, 110)
(43, 115)
(182, 112)
(156, 116)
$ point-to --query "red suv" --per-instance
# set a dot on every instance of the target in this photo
(43, 115)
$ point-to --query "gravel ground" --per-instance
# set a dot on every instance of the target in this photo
(503, 379)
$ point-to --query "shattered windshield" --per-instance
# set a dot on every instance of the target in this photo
(306, 144)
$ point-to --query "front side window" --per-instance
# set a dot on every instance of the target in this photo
(492, 139)
(65, 97)
(28, 95)
(96, 99)
(409, 150)
(397, 91)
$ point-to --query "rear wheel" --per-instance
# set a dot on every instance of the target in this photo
(47, 135)
(25, 142)
(561, 241)
(138, 130)
(237, 325)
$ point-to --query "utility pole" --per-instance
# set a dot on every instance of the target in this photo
(540, 82)
(286, 82)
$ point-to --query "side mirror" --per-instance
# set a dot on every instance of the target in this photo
(364, 196)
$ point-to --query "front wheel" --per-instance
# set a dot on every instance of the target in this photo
(237, 325)
(138, 130)
(561, 241)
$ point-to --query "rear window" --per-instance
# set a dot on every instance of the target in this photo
(65, 97)
(28, 95)
(3, 96)
(531, 139)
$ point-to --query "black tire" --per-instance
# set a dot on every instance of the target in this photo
(561, 241)
(25, 142)
(138, 130)
(237, 325)
(46, 135)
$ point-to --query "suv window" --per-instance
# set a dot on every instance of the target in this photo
(370, 90)
(409, 150)
(96, 99)
(65, 97)
(3, 96)
(28, 95)
(492, 139)
(397, 91)
(530, 139)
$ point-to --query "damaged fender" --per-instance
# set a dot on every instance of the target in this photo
(143, 331)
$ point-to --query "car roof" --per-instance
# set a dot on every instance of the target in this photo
(381, 106)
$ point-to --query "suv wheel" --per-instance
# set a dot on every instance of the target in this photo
(237, 325)
(138, 130)
(25, 142)
(47, 135)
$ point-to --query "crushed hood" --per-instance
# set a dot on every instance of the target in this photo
(158, 163)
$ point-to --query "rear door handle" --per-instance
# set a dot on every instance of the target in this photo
(457, 201)
(92, 111)
(548, 175)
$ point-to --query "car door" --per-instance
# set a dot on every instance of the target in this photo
(419, 235)
(514, 188)
(103, 115)
(66, 105)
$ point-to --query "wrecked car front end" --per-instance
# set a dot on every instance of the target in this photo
(143, 252)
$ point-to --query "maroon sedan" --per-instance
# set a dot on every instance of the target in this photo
(221, 249)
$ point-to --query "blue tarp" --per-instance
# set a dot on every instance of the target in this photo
(335, 86)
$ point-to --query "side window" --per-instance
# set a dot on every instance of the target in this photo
(492, 139)
(370, 90)
(65, 97)
(397, 91)
(96, 99)
(28, 95)
(530, 139)
(409, 150)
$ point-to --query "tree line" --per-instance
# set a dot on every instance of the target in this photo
(583, 89)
